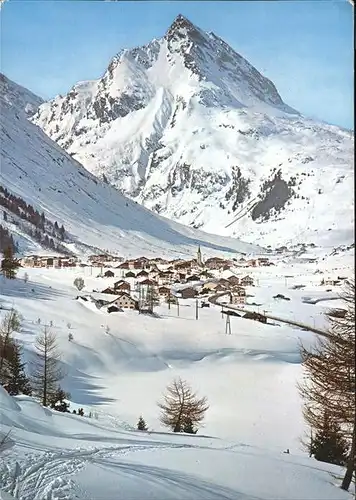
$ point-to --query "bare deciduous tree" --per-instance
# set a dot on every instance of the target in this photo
(10, 323)
(329, 383)
(181, 407)
(45, 369)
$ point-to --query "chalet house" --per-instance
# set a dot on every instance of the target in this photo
(164, 291)
(246, 281)
(148, 282)
(256, 316)
(142, 274)
(183, 266)
(224, 282)
(332, 282)
(130, 274)
(214, 263)
(251, 263)
(237, 299)
(210, 285)
(125, 266)
(188, 293)
(154, 268)
(30, 261)
(220, 288)
(193, 277)
(165, 277)
(110, 291)
(141, 263)
(239, 291)
(153, 275)
(159, 260)
(125, 301)
(263, 261)
(122, 286)
(109, 274)
(97, 258)
(39, 261)
(233, 280)
(116, 258)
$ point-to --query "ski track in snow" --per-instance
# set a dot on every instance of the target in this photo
(50, 477)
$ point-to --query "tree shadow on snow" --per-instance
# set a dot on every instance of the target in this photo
(19, 289)
(83, 388)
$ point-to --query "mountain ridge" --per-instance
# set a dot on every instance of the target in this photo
(94, 214)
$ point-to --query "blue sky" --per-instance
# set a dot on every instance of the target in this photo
(304, 47)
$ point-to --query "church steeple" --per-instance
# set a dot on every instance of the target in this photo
(199, 258)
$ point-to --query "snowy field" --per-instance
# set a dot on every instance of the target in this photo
(62, 456)
(249, 378)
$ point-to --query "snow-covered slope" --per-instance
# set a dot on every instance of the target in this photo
(93, 213)
(188, 128)
(68, 456)
(117, 366)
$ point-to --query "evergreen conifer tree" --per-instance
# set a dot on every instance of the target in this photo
(18, 383)
(188, 426)
(9, 264)
(329, 445)
(141, 424)
(57, 402)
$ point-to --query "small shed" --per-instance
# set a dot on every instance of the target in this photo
(114, 308)
(188, 293)
(109, 274)
(255, 316)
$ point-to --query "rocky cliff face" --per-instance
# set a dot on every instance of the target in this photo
(190, 129)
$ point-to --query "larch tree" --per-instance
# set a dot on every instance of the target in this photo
(45, 368)
(181, 407)
(329, 386)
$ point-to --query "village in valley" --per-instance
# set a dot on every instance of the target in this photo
(142, 283)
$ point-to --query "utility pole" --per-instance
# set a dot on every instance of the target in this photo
(177, 307)
(228, 325)
(169, 299)
(196, 309)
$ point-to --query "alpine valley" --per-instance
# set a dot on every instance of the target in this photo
(188, 128)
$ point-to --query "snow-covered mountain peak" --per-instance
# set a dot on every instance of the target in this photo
(182, 29)
(190, 129)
